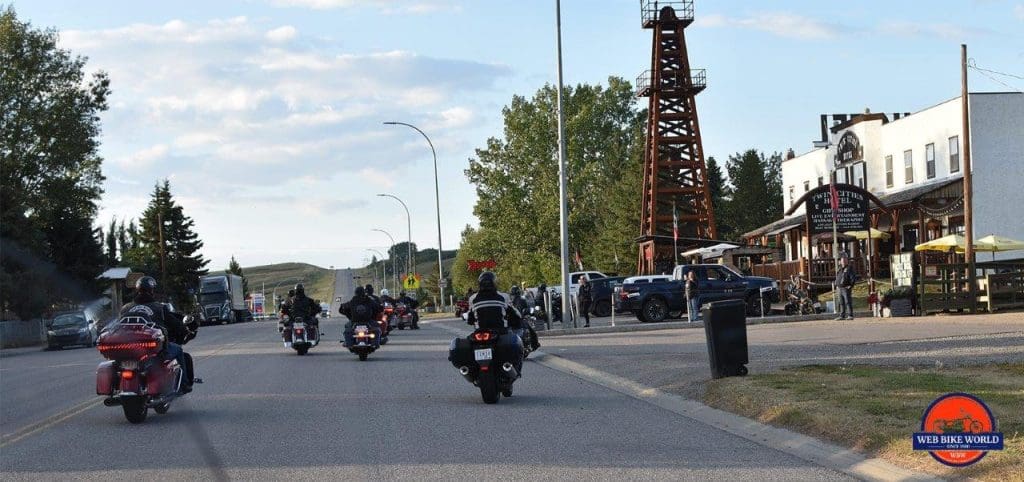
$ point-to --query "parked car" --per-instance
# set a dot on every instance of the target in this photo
(621, 299)
(602, 290)
(574, 278)
(79, 327)
(654, 302)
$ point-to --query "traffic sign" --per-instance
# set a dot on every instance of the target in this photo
(411, 282)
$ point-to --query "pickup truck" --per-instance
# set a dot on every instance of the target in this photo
(654, 302)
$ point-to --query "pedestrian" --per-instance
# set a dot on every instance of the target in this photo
(692, 296)
(585, 295)
(845, 277)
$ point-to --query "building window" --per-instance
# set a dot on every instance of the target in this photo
(908, 166)
(821, 180)
(954, 154)
(888, 171)
(791, 191)
(929, 160)
(859, 175)
(807, 186)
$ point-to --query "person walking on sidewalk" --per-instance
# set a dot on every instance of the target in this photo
(585, 294)
(692, 296)
(845, 278)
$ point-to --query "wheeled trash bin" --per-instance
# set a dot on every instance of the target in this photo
(725, 325)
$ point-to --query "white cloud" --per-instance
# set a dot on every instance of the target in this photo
(281, 34)
(386, 7)
(144, 157)
(377, 178)
(781, 24)
(456, 117)
(945, 31)
(1018, 10)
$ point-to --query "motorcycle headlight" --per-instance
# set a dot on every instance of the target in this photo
(50, 332)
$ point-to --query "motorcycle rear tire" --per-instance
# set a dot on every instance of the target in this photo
(135, 409)
(507, 391)
(400, 327)
(488, 384)
(302, 350)
(162, 408)
(363, 356)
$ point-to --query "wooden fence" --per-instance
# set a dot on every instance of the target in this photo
(1003, 290)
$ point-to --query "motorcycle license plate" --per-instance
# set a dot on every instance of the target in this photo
(483, 354)
(362, 330)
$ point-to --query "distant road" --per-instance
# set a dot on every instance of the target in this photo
(344, 287)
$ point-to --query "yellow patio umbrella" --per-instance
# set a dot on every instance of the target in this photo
(944, 243)
(873, 233)
(999, 243)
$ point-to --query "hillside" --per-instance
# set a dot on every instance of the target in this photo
(319, 282)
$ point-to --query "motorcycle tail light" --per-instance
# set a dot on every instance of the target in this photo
(127, 374)
(482, 336)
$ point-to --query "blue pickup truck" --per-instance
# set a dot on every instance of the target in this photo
(654, 302)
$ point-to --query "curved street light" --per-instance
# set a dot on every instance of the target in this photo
(437, 203)
(394, 265)
(385, 277)
(408, 219)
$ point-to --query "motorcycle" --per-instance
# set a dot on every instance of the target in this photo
(485, 363)
(461, 306)
(387, 319)
(364, 341)
(801, 302)
(135, 375)
(300, 336)
(405, 317)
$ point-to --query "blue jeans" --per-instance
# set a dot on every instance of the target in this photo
(173, 351)
(693, 308)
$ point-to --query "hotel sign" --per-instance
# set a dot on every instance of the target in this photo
(852, 214)
(848, 149)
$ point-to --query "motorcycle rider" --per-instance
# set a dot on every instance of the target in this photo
(360, 309)
(492, 310)
(385, 296)
(369, 293)
(178, 333)
(520, 304)
(411, 304)
(304, 306)
(284, 309)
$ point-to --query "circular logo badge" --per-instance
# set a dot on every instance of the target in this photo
(958, 429)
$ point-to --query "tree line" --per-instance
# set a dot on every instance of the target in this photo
(51, 182)
(516, 179)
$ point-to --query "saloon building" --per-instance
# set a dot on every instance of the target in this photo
(913, 164)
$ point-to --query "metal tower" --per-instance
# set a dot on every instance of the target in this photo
(675, 176)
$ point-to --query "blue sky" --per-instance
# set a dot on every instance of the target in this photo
(266, 114)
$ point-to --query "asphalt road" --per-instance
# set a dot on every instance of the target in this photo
(344, 288)
(266, 413)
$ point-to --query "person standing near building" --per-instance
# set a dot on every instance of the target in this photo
(692, 296)
(845, 278)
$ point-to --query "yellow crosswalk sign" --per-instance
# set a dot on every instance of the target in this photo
(411, 282)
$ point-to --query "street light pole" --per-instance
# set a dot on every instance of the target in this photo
(384, 266)
(394, 265)
(563, 205)
(437, 204)
(408, 261)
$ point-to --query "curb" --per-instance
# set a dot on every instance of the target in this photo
(801, 446)
(676, 325)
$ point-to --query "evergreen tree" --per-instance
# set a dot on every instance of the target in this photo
(720, 193)
(236, 269)
(182, 262)
(756, 191)
(50, 170)
(110, 240)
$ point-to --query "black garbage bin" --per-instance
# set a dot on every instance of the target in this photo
(725, 325)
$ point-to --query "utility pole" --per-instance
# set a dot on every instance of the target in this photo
(968, 204)
(163, 261)
(563, 204)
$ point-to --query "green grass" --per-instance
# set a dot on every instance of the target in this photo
(875, 409)
(318, 282)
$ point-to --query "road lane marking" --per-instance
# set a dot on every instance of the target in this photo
(74, 411)
(801, 446)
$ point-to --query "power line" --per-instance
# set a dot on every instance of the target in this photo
(973, 65)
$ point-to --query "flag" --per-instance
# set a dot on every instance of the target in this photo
(834, 194)
(675, 222)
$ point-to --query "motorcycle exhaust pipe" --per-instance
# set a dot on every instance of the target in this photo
(111, 402)
(464, 371)
(510, 370)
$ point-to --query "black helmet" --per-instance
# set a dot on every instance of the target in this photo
(401, 294)
(515, 290)
(291, 293)
(146, 284)
(369, 289)
(487, 281)
(360, 291)
(299, 287)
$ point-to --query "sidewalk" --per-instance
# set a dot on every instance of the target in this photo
(676, 360)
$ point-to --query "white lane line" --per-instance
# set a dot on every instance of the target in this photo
(801, 446)
(76, 410)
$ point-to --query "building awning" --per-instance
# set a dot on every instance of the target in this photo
(776, 227)
(912, 194)
(115, 274)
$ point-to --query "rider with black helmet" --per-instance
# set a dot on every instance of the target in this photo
(530, 335)
(178, 333)
(491, 309)
(304, 306)
(360, 309)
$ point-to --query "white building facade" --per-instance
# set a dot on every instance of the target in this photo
(914, 165)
